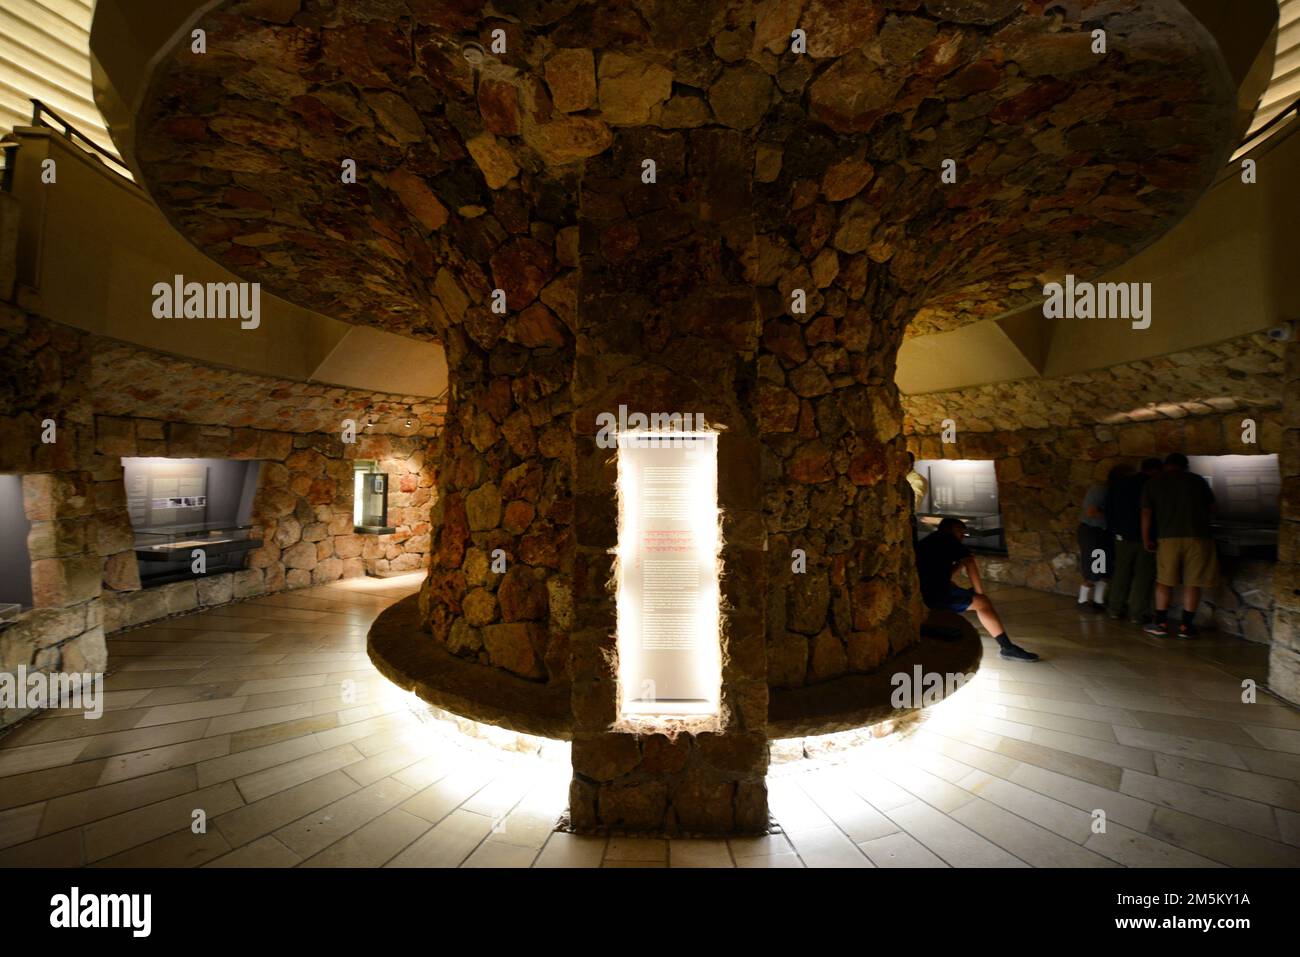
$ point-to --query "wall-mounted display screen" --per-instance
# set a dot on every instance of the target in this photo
(670, 657)
(966, 489)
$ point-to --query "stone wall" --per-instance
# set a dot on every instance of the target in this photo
(44, 369)
(85, 579)
(1043, 475)
(1284, 657)
(302, 512)
(1238, 374)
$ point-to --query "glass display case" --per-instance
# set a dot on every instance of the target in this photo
(166, 554)
(370, 500)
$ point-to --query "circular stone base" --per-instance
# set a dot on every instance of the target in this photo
(858, 700)
(411, 659)
(408, 656)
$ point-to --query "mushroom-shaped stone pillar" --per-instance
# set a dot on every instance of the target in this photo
(828, 177)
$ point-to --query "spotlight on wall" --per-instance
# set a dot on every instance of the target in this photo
(1283, 333)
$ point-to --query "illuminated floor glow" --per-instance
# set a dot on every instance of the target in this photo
(1006, 777)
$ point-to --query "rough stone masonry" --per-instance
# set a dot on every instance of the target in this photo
(798, 228)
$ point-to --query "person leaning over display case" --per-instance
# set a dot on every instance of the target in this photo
(1178, 504)
(1135, 567)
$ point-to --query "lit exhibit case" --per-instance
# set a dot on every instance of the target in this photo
(966, 489)
(1246, 493)
(370, 499)
(180, 505)
(15, 562)
(670, 656)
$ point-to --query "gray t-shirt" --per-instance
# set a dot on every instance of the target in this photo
(1095, 498)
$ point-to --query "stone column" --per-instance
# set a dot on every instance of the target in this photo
(1284, 656)
(668, 322)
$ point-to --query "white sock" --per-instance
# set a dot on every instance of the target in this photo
(1099, 592)
(1083, 592)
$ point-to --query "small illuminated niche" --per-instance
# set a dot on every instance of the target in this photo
(669, 649)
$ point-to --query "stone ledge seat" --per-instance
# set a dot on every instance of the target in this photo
(411, 659)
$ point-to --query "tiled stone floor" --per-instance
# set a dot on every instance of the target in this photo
(240, 711)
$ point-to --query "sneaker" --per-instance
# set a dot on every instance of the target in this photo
(1160, 629)
(1186, 631)
(1016, 653)
(1098, 607)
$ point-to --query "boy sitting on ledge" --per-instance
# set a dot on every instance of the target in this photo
(938, 557)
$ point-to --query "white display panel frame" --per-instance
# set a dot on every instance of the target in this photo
(669, 647)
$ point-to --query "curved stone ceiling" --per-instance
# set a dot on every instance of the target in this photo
(469, 172)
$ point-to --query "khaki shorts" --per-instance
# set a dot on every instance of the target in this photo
(1191, 562)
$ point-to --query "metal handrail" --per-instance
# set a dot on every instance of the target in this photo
(41, 110)
(1282, 114)
(8, 148)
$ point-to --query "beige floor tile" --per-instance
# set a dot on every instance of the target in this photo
(243, 720)
(492, 854)
(264, 852)
(636, 849)
(1121, 755)
(1275, 739)
(58, 850)
(771, 860)
(899, 850)
(956, 844)
(271, 733)
(1076, 766)
(1288, 825)
(687, 852)
(1182, 746)
(181, 849)
(38, 757)
(176, 713)
(144, 739)
(264, 783)
(849, 812)
(448, 843)
(93, 804)
(572, 850)
(20, 824)
(136, 763)
(1131, 849)
(1277, 792)
(121, 832)
(442, 797)
(763, 845)
(246, 762)
(41, 730)
(385, 763)
(1036, 846)
(373, 844)
(251, 821)
(1221, 842)
(1085, 796)
(827, 847)
(1212, 805)
(1053, 815)
(313, 832)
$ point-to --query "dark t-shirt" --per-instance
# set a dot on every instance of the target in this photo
(1181, 504)
(937, 557)
(1124, 507)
